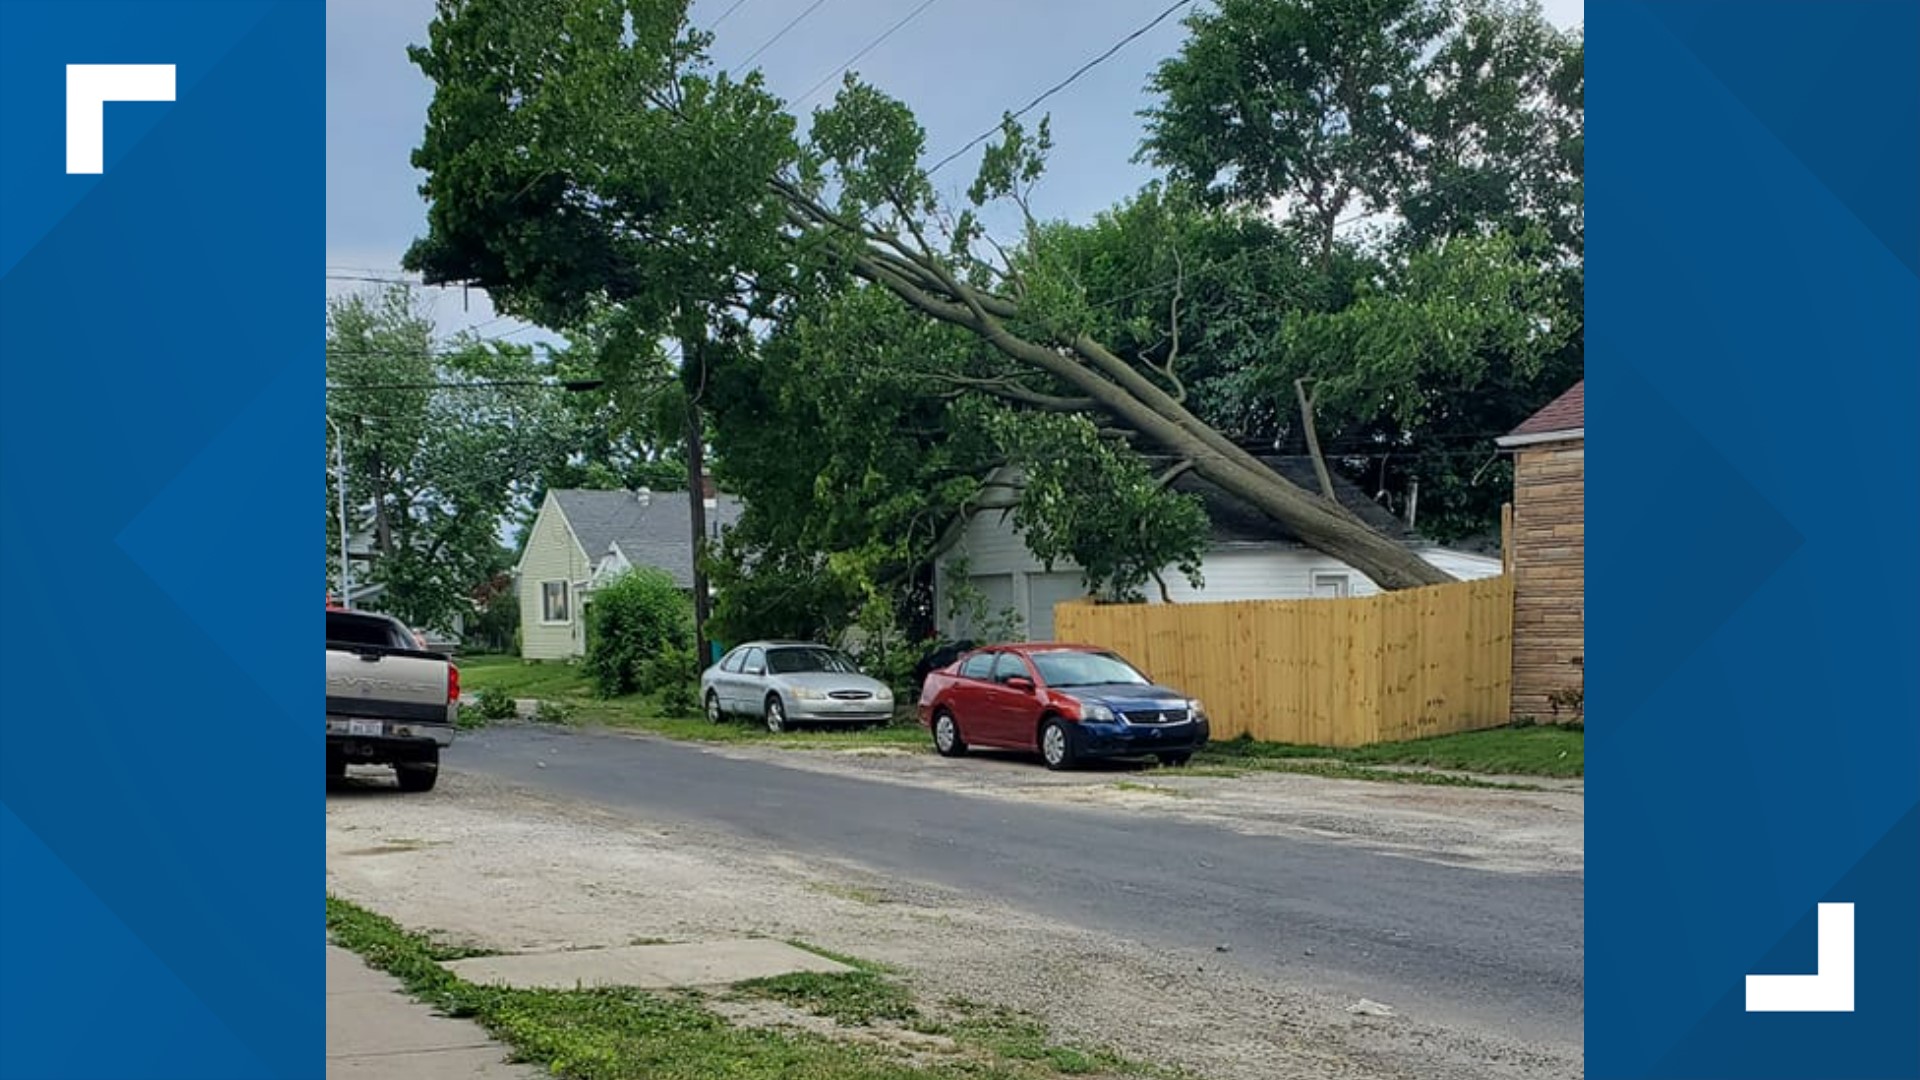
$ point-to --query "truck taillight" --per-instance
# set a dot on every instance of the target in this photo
(453, 684)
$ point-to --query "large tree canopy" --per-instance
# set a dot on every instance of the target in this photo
(581, 156)
(438, 454)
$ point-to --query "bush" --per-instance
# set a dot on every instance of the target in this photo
(497, 704)
(632, 620)
(673, 677)
(553, 712)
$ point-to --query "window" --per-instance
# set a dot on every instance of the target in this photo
(978, 666)
(553, 602)
(1009, 667)
(1331, 585)
(348, 629)
(796, 660)
(754, 663)
(1065, 668)
(731, 665)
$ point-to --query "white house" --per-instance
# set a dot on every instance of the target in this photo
(581, 539)
(1250, 558)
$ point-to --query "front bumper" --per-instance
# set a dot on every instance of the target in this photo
(1134, 740)
(832, 712)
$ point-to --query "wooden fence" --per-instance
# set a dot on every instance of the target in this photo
(1400, 665)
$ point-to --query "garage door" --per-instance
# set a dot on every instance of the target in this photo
(996, 596)
(1043, 592)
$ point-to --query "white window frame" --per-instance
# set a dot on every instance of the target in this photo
(1339, 578)
(566, 603)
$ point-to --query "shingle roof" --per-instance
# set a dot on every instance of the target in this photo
(1238, 522)
(655, 532)
(1568, 412)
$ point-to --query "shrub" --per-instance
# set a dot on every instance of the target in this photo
(632, 620)
(673, 677)
(497, 704)
(553, 712)
(470, 718)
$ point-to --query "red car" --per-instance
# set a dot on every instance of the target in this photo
(1068, 702)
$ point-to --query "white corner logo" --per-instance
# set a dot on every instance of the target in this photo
(1829, 989)
(89, 88)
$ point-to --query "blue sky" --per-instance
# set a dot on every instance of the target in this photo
(959, 64)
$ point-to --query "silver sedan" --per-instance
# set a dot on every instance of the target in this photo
(789, 682)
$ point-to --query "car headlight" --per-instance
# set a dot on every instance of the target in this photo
(808, 693)
(1096, 712)
(883, 694)
(1198, 710)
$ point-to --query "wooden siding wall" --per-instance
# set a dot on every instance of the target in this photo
(1549, 574)
(1401, 665)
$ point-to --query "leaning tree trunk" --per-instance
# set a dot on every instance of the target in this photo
(1115, 387)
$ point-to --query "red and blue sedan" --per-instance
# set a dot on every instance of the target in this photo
(1066, 702)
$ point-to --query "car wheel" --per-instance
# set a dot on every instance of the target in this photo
(1174, 761)
(946, 735)
(417, 776)
(776, 714)
(714, 715)
(336, 766)
(1057, 747)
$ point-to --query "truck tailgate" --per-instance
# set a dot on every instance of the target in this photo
(387, 684)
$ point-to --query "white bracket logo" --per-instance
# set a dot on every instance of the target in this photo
(89, 88)
(1828, 989)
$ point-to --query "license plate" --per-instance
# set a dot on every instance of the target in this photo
(369, 728)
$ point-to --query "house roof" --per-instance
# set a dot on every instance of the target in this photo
(1235, 521)
(654, 530)
(1564, 416)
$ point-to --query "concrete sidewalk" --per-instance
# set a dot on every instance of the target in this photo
(376, 1032)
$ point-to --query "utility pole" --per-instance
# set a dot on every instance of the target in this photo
(340, 487)
(696, 499)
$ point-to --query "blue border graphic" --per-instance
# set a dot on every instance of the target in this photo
(1754, 626)
(159, 804)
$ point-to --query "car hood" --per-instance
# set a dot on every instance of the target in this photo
(828, 680)
(1127, 696)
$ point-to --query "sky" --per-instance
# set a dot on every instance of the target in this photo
(959, 64)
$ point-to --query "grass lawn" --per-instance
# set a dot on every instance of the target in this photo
(1543, 750)
(568, 685)
(626, 1034)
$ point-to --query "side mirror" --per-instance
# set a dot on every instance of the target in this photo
(1020, 683)
(756, 671)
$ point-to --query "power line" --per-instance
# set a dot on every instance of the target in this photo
(1062, 84)
(869, 47)
(737, 4)
(797, 20)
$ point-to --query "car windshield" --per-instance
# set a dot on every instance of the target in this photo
(801, 661)
(1063, 669)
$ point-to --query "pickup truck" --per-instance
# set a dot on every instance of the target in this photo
(389, 702)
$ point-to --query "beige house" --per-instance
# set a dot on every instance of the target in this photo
(581, 539)
(1549, 553)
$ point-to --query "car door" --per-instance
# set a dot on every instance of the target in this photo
(750, 685)
(971, 697)
(725, 674)
(1013, 713)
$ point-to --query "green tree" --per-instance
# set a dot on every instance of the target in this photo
(579, 153)
(437, 455)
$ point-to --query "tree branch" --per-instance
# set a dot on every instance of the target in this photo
(1313, 440)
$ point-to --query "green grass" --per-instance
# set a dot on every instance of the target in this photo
(1542, 750)
(628, 1034)
(567, 685)
(853, 998)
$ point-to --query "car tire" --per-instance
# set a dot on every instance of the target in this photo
(417, 776)
(714, 713)
(776, 716)
(1174, 761)
(1059, 744)
(950, 744)
(336, 767)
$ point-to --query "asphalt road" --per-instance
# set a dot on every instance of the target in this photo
(1494, 952)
